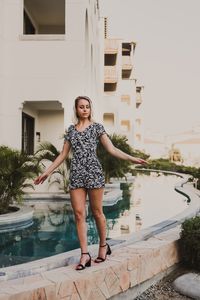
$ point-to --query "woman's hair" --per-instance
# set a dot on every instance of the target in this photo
(76, 101)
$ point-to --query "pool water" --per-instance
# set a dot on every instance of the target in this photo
(151, 200)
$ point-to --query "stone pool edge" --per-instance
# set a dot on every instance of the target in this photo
(125, 271)
(133, 262)
(20, 219)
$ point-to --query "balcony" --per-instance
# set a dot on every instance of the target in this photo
(138, 96)
(125, 125)
(110, 74)
(111, 46)
(138, 100)
(126, 63)
(138, 122)
(138, 137)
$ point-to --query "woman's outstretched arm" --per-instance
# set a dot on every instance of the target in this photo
(108, 145)
(63, 155)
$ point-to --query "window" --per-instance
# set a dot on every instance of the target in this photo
(126, 99)
(138, 137)
(138, 122)
(110, 87)
(108, 119)
(110, 59)
(28, 124)
(126, 49)
(44, 17)
(125, 125)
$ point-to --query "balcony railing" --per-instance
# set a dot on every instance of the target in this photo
(110, 74)
(111, 46)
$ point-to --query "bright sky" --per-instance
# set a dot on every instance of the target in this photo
(167, 57)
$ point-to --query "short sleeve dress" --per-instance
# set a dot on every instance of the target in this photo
(85, 170)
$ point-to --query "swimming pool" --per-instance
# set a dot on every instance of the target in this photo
(151, 199)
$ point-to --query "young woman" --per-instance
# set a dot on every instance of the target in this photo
(86, 175)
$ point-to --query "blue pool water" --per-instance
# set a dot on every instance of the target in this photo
(151, 200)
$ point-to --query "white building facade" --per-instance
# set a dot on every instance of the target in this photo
(49, 54)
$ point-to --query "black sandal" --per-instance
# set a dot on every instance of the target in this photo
(108, 252)
(87, 264)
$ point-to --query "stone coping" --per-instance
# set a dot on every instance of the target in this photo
(19, 219)
(125, 269)
(71, 257)
(111, 196)
(134, 260)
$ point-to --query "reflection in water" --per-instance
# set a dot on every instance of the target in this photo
(150, 200)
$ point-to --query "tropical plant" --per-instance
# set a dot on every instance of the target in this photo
(47, 151)
(16, 169)
(112, 166)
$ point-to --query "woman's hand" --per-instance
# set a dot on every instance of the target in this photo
(63, 155)
(40, 179)
(137, 160)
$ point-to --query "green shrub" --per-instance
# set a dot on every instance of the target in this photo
(190, 242)
(112, 166)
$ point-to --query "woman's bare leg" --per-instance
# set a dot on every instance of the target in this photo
(96, 198)
(78, 201)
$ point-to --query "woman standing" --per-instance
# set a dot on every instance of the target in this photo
(86, 175)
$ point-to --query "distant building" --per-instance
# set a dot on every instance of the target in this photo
(188, 144)
(175, 155)
(190, 151)
(182, 147)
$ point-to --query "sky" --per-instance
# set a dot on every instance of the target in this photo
(166, 60)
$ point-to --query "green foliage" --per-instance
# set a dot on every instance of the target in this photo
(190, 242)
(112, 166)
(140, 154)
(47, 151)
(15, 169)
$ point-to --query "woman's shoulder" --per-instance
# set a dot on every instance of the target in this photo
(97, 124)
(70, 127)
(99, 129)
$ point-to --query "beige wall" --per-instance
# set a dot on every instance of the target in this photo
(37, 67)
(51, 127)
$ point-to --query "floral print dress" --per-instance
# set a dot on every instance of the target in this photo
(85, 170)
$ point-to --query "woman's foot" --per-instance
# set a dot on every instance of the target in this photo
(85, 261)
(104, 250)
